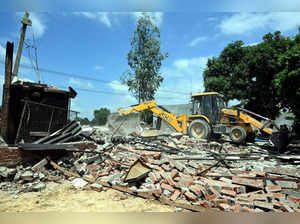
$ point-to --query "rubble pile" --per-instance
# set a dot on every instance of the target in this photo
(175, 170)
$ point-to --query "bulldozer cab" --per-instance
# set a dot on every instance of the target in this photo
(208, 104)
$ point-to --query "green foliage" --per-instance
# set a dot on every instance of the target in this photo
(100, 116)
(83, 121)
(260, 75)
(144, 59)
(147, 116)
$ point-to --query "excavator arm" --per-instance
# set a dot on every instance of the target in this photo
(245, 118)
(179, 123)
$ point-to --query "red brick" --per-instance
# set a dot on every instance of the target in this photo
(224, 207)
(248, 182)
(296, 209)
(155, 155)
(228, 192)
(175, 195)
(275, 188)
(187, 180)
(278, 195)
(216, 202)
(294, 199)
(166, 167)
(258, 173)
(205, 204)
(93, 167)
(167, 177)
(246, 209)
(153, 177)
(163, 181)
(198, 190)
(173, 173)
(167, 187)
(258, 197)
(190, 196)
(236, 208)
(210, 197)
(176, 179)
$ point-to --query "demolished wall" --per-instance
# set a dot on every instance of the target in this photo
(178, 110)
(123, 125)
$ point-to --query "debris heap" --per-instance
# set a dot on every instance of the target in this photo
(174, 169)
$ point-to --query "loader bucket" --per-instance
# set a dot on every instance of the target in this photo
(279, 140)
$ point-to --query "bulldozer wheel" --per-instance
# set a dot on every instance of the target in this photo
(199, 129)
(238, 134)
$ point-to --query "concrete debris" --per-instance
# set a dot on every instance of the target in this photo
(173, 169)
(79, 183)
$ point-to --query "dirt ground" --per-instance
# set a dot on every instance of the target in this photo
(63, 197)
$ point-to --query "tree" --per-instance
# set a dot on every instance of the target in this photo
(144, 59)
(83, 121)
(247, 73)
(100, 116)
(287, 81)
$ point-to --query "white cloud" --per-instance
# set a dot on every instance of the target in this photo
(79, 83)
(253, 44)
(196, 41)
(243, 23)
(257, 5)
(191, 65)
(156, 17)
(211, 19)
(98, 67)
(122, 96)
(102, 17)
(38, 25)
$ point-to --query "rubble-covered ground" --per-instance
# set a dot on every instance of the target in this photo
(173, 169)
(64, 197)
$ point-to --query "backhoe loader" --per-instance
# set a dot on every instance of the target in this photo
(210, 116)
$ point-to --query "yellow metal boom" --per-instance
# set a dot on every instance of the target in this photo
(179, 123)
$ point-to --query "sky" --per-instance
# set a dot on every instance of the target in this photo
(88, 49)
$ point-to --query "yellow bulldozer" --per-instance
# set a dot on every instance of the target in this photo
(210, 116)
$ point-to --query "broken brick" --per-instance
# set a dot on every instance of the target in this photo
(275, 188)
(263, 205)
(175, 195)
(176, 164)
(167, 187)
(92, 167)
(190, 196)
(294, 199)
(176, 179)
(204, 203)
(154, 177)
(198, 190)
(166, 167)
(228, 192)
(246, 209)
(210, 197)
(236, 208)
(167, 177)
(224, 207)
(248, 182)
(173, 173)
(278, 196)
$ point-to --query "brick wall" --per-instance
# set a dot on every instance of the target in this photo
(11, 156)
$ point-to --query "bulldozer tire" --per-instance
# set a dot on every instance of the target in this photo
(199, 129)
(238, 134)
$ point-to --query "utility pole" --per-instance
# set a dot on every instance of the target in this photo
(5, 115)
(26, 22)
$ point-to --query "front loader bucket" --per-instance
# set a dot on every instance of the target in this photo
(279, 140)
